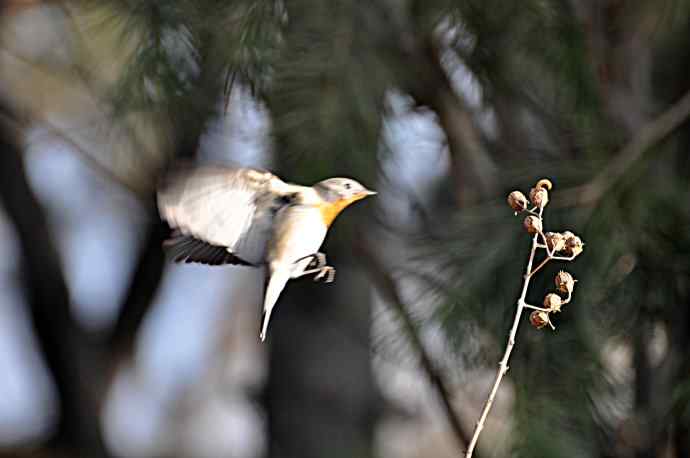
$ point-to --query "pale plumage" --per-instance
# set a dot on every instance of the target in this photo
(244, 216)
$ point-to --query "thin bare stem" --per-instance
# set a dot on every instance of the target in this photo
(545, 245)
(533, 307)
(503, 366)
(564, 258)
(542, 264)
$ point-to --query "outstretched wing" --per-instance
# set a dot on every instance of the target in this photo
(221, 215)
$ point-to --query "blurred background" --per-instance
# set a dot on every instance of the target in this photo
(109, 350)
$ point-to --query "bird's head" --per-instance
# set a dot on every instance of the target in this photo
(342, 190)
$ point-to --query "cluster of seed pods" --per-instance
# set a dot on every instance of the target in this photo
(561, 246)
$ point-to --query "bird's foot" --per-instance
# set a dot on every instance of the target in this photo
(317, 262)
(326, 273)
(317, 266)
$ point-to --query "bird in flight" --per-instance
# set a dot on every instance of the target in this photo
(222, 215)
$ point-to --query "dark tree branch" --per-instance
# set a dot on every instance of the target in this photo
(62, 342)
(389, 290)
(645, 139)
(147, 275)
(472, 165)
(143, 287)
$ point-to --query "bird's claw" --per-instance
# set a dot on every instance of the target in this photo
(318, 261)
(327, 273)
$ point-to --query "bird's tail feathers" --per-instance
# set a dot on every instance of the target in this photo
(274, 287)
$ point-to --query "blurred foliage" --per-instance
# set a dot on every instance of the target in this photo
(564, 85)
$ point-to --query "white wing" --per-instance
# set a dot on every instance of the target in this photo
(221, 215)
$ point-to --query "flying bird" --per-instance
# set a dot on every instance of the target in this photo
(222, 215)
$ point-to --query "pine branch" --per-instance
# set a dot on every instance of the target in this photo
(646, 138)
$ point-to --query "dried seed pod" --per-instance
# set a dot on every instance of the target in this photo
(517, 201)
(564, 282)
(532, 224)
(553, 302)
(539, 197)
(555, 241)
(538, 319)
(544, 183)
(573, 246)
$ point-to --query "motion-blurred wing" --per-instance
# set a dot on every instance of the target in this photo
(220, 215)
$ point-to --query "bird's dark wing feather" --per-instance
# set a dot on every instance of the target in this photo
(185, 248)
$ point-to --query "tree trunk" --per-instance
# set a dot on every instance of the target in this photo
(65, 348)
(320, 395)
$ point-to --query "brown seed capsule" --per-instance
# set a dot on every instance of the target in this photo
(539, 197)
(532, 224)
(544, 183)
(538, 319)
(573, 246)
(517, 201)
(564, 282)
(555, 241)
(553, 302)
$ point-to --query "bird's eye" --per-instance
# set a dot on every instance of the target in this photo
(348, 185)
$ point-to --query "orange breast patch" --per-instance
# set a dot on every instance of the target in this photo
(329, 210)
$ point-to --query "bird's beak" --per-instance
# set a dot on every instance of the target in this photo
(361, 195)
